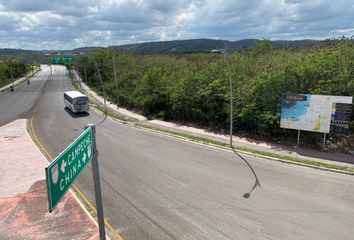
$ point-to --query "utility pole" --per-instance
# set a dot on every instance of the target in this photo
(85, 73)
(225, 53)
(115, 75)
(12, 78)
(78, 75)
(99, 74)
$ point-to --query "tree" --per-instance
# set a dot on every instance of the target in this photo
(265, 45)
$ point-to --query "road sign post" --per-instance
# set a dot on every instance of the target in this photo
(62, 172)
(97, 185)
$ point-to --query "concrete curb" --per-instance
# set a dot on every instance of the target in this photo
(248, 153)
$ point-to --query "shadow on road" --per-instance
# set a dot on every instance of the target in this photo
(256, 183)
(76, 115)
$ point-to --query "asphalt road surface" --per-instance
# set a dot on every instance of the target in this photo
(14, 104)
(159, 187)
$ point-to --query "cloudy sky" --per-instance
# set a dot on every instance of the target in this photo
(69, 24)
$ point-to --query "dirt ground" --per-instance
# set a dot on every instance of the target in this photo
(310, 140)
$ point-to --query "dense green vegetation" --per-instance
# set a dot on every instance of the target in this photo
(18, 70)
(195, 88)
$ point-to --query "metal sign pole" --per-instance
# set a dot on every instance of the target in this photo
(298, 138)
(324, 142)
(97, 185)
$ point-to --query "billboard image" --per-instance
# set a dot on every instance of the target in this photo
(316, 113)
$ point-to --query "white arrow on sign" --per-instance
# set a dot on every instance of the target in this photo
(84, 158)
(63, 165)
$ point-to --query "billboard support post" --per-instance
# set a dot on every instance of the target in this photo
(324, 142)
(97, 184)
(63, 171)
(298, 138)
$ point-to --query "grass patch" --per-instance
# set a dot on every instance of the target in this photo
(75, 86)
(101, 109)
(262, 153)
(196, 139)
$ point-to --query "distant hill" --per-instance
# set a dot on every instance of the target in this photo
(85, 49)
(205, 45)
(183, 46)
(18, 52)
(75, 50)
(15, 52)
(295, 43)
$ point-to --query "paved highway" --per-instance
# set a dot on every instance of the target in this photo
(159, 187)
(14, 104)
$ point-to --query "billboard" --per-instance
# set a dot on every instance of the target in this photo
(41, 60)
(27, 61)
(316, 113)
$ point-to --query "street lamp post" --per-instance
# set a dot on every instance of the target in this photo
(12, 78)
(85, 73)
(78, 75)
(104, 95)
(115, 76)
(224, 52)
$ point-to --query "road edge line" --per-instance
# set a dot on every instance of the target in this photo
(46, 160)
(246, 152)
(81, 194)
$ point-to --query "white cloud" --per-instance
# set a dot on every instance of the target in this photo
(40, 24)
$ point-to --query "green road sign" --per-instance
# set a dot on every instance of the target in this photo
(69, 59)
(56, 60)
(66, 168)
